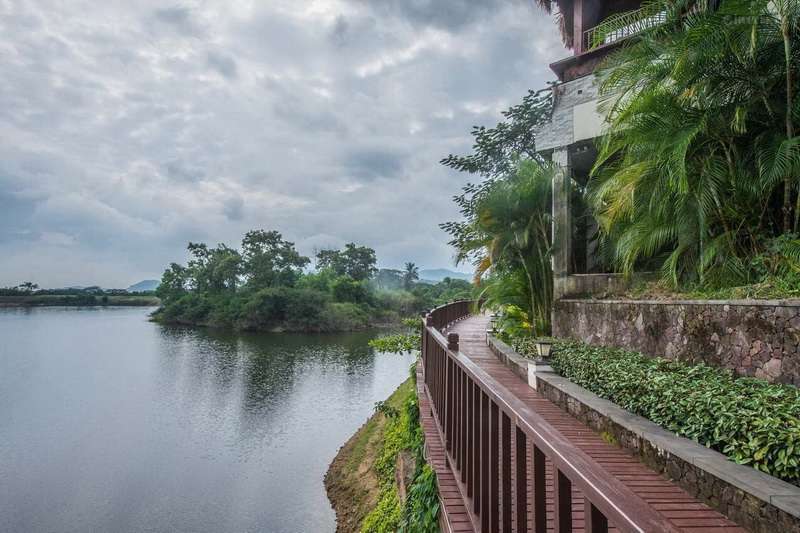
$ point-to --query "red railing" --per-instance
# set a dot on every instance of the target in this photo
(480, 421)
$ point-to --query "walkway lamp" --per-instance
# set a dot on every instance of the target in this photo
(544, 347)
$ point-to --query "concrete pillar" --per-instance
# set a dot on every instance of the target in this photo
(562, 221)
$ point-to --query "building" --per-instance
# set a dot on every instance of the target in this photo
(591, 29)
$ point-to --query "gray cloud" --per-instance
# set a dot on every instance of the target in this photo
(223, 64)
(132, 128)
(450, 14)
(178, 17)
(372, 163)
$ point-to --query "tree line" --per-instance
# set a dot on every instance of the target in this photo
(267, 284)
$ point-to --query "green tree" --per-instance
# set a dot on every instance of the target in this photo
(270, 261)
(410, 275)
(496, 152)
(213, 270)
(173, 283)
(699, 171)
(27, 287)
(512, 239)
(388, 278)
(357, 262)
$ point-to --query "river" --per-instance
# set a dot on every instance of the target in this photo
(109, 422)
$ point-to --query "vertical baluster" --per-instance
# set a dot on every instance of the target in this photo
(595, 521)
(521, 457)
(485, 462)
(457, 417)
(448, 408)
(469, 437)
(464, 426)
(562, 497)
(476, 449)
(505, 472)
(494, 459)
(439, 381)
(539, 491)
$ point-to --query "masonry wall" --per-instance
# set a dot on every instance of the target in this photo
(560, 131)
(753, 338)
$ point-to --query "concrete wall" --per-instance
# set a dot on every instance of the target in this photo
(752, 337)
(561, 130)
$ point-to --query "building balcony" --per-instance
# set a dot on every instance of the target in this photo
(619, 27)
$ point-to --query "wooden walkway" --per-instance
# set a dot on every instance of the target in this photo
(669, 500)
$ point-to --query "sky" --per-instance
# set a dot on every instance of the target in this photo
(129, 128)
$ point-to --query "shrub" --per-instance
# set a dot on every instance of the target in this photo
(305, 309)
(266, 307)
(349, 290)
(341, 316)
(751, 421)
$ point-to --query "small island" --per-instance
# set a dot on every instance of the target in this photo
(266, 285)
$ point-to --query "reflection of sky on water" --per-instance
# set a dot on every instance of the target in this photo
(119, 424)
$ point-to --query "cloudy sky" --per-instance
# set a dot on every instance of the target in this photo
(128, 128)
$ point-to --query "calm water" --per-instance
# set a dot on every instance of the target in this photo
(111, 423)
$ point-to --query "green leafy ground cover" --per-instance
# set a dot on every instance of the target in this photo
(420, 512)
(751, 421)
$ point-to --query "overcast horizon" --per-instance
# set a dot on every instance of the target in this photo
(129, 129)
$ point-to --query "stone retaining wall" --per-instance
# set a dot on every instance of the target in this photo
(759, 338)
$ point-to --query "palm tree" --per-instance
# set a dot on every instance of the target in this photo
(513, 240)
(410, 275)
(701, 161)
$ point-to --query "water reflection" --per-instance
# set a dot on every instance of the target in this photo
(154, 428)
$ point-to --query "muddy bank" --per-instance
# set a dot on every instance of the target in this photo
(351, 481)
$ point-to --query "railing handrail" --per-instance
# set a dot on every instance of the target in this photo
(618, 503)
(621, 26)
(445, 314)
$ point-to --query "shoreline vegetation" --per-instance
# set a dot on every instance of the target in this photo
(379, 481)
(266, 285)
(29, 295)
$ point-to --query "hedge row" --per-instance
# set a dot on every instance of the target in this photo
(747, 419)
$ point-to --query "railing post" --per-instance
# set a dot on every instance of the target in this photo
(485, 507)
(563, 502)
(505, 471)
(539, 491)
(595, 521)
(476, 448)
(522, 481)
(452, 341)
(464, 426)
(494, 462)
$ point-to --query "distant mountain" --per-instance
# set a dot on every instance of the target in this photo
(438, 274)
(144, 286)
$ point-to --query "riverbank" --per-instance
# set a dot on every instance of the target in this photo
(76, 300)
(379, 482)
(332, 318)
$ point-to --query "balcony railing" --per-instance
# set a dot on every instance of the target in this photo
(622, 26)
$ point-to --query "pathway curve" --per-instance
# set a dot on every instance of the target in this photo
(670, 500)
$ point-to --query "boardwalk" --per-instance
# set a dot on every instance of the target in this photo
(683, 511)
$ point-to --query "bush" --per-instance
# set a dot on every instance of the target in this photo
(751, 421)
(349, 290)
(341, 316)
(305, 309)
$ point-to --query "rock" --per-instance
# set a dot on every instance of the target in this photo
(772, 368)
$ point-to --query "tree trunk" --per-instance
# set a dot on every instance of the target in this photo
(530, 289)
(787, 180)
